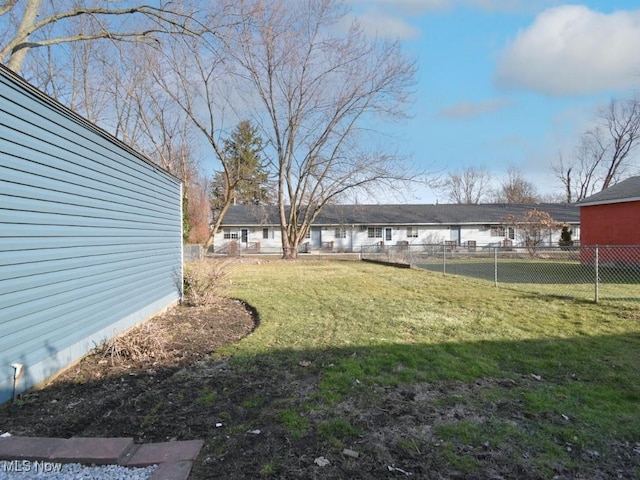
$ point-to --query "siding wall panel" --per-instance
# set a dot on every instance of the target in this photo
(91, 187)
(17, 209)
(35, 131)
(103, 261)
(72, 328)
(90, 236)
(41, 144)
(18, 244)
(19, 305)
(24, 289)
(107, 254)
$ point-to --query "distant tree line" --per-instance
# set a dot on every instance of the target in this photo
(474, 185)
(605, 155)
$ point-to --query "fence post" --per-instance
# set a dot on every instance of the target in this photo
(597, 272)
(495, 266)
(444, 259)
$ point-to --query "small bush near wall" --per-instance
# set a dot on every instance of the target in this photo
(203, 282)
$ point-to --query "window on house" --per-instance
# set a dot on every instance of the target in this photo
(265, 233)
(374, 232)
(504, 232)
(229, 234)
(308, 235)
(341, 232)
(497, 231)
(412, 232)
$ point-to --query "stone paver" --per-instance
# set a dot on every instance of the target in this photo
(154, 453)
(99, 451)
(28, 448)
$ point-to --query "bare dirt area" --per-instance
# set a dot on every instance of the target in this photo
(125, 387)
(262, 417)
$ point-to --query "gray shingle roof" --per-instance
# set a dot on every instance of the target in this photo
(626, 191)
(416, 214)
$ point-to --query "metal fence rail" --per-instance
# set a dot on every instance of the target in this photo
(585, 272)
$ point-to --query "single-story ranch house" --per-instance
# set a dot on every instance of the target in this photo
(347, 228)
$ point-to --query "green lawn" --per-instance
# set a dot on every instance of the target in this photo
(425, 371)
(551, 277)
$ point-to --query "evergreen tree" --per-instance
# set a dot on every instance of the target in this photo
(246, 182)
(565, 237)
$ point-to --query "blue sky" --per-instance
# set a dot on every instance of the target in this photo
(507, 82)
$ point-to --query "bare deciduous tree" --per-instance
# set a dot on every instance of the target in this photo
(469, 186)
(515, 189)
(563, 173)
(198, 209)
(32, 24)
(534, 227)
(622, 120)
(158, 126)
(318, 91)
(605, 152)
(198, 89)
(578, 176)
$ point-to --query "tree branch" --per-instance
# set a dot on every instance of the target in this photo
(174, 22)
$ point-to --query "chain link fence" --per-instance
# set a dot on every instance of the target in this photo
(584, 272)
(192, 253)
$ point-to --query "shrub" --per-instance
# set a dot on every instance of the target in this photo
(203, 282)
(144, 342)
(565, 237)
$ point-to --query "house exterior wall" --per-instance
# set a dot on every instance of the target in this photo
(611, 224)
(352, 238)
(90, 236)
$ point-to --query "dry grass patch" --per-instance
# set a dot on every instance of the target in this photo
(143, 343)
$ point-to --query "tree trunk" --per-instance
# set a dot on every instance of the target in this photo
(217, 223)
(16, 59)
(289, 245)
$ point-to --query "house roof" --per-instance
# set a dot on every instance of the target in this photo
(415, 214)
(626, 191)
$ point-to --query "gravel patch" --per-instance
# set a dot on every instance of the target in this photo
(26, 470)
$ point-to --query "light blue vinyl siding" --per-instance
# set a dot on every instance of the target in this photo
(90, 236)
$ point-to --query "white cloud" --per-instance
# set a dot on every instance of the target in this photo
(572, 50)
(464, 110)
